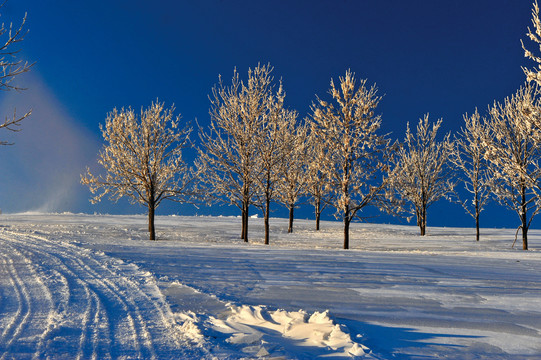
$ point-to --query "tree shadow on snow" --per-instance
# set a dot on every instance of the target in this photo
(408, 343)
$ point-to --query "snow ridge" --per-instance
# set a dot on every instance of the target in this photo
(255, 330)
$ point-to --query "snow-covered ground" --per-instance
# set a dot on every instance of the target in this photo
(87, 286)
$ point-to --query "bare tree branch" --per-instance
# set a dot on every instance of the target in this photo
(10, 68)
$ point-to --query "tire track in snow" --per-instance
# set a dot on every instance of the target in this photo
(96, 303)
(136, 328)
(21, 301)
(126, 326)
(69, 302)
(32, 297)
(9, 319)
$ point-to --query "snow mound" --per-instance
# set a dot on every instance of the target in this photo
(260, 332)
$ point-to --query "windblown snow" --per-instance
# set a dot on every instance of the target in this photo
(92, 287)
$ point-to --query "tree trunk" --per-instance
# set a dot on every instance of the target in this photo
(422, 224)
(477, 213)
(291, 210)
(477, 234)
(347, 220)
(243, 217)
(151, 229)
(346, 231)
(318, 213)
(524, 219)
(267, 226)
(246, 217)
(421, 221)
(524, 238)
(245, 211)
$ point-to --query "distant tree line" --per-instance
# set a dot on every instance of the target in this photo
(256, 152)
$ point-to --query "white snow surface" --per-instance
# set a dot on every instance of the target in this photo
(92, 287)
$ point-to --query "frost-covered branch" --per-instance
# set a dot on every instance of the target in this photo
(514, 151)
(316, 181)
(348, 127)
(228, 163)
(293, 179)
(421, 175)
(274, 148)
(534, 36)
(467, 156)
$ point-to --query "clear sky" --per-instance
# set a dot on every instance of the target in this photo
(435, 56)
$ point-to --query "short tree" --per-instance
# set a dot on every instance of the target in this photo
(228, 163)
(10, 68)
(420, 175)
(293, 178)
(316, 182)
(355, 172)
(514, 152)
(142, 157)
(467, 155)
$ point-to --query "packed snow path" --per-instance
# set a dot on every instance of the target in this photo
(58, 300)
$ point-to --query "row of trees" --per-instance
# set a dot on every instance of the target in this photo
(256, 151)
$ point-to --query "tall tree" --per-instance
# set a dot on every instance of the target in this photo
(273, 148)
(467, 156)
(514, 151)
(142, 157)
(420, 175)
(10, 67)
(228, 163)
(348, 127)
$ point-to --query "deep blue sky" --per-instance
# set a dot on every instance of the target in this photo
(440, 57)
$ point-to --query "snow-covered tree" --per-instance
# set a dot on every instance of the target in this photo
(228, 163)
(467, 156)
(316, 182)
(349, 128)
(535, 36)
(421, 175)
(514, 152)
(293, 177)
(273, 147)
(142, 157)
(10, 67)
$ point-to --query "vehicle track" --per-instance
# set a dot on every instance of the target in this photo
(58, 300)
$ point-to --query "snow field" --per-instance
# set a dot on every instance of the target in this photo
(395, 295)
